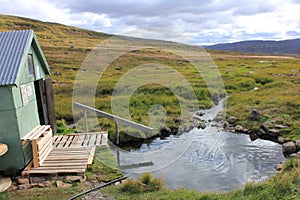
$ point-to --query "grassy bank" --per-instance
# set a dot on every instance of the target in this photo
(285, 185)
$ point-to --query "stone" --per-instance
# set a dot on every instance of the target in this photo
(25, 186)
(174, 129)
(231, 120)
(45, 184)
(239, 128)
(23, 181)
(264, 127)
(274, 132)
(254, 115)
(280, 126)
(61, 184)
(261, 132)
(295, 155)
(165, 130)
(200, 113)
(297, 143)
(289, 148)
(281, 140)
(37, 179)
(278, 167)
(199, 124)
(71, 179)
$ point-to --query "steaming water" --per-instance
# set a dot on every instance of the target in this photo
(206, 160)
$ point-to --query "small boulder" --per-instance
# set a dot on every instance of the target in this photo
(280, 126)
(231, 120)
(281, 140)
(165, 130)
(254, 115)
(37, 179)
(238, 128)
(25, 186)
(23, 181)
(297, 143)
(278, 167)
(289, 148)
(61, 184)
(200, 113)
(274, 132)
(295, 155)
(45, 184)
(264, 127)
(71, 179)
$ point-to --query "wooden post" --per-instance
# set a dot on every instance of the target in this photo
(118, 157)
(117, 132)
(86, 122)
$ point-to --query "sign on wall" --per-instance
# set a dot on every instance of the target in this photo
(24, 95)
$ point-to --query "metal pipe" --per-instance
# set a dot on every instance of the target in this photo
(98, 187)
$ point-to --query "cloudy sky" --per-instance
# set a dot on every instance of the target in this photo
(191, 21)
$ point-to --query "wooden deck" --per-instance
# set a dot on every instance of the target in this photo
(71, 154)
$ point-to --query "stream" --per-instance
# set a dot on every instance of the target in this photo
(204, 159)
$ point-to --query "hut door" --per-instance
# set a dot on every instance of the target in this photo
(45, 102)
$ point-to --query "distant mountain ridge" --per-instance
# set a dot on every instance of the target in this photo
(261, 46)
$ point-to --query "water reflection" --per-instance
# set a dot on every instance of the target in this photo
(205, 160)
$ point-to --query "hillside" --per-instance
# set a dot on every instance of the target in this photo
(261, 47)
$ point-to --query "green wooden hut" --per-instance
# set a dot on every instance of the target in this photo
(26, 97)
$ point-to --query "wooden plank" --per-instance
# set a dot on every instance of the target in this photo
(80, 140)
(69, 164)
(44, 155)
(62, 142)
(69, 141)
(43, 140)
(86, 140)
(57, 140)
(41, 131)
(91, 156)
(35, 154)
(29, 134)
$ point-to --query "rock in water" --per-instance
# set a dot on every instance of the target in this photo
(239, 128)
(231, 120)
(254, 115)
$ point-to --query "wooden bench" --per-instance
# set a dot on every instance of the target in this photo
(41, 141)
